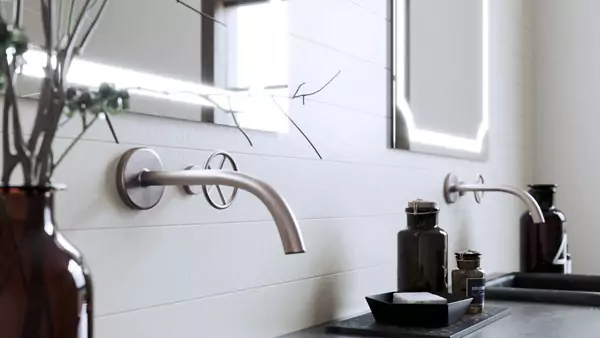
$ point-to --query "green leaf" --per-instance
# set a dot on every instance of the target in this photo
(105, 91)
(19, 40)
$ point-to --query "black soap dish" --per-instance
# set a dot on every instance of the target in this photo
(418, 315)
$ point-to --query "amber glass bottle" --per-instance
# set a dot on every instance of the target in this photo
(45, 287)
(544, 246)
(422, 251)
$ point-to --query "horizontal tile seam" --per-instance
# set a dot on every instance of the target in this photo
(518, 147)
(243, 153)
(221, 223)
(220, 295)
(307, 158)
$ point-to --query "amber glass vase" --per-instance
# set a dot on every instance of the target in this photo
(45, 287)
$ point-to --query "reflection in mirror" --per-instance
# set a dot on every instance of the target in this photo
(220, 61)
(440, 77)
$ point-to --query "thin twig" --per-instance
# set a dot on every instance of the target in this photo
(93, 25)
(237, 124)
(112, 129)
(47, 24)
(201, 13)
(73, 143)
(40, 116)
(66, 56)
(21, 155)
(298, 89)
(304, 96)
(70, 17)
(10, 160)
(2, 9)
(18, 13)
(59, 24)
(43, 168)
(297, 127)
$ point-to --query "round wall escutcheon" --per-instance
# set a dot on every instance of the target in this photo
(132, 192)
(450, 195)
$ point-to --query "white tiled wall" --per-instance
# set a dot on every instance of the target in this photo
(186, 270)
(567, 118)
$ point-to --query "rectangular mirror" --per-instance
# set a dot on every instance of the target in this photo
(199, 60)
(439, 82)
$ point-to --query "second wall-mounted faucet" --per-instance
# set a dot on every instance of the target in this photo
(455, 188)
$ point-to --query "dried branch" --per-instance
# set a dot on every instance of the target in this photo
(93, 25)
(297, 90)
(11, 109)
(297, 127)
(40, 116)
(59, 24)
(43, 169)
(18, 14)
(112, 129)
(47, 24)
(204, 15)
(71, 9)
(10, 159)
(237, 123)
(65, 55)
(80, 19)
(304, 96)
(74, 142)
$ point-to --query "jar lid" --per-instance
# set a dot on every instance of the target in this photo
(419, 203)
(420, 206)
(468, 255)
(547, 187)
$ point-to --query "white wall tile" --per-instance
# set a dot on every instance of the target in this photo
(263, 312)
(177, 263)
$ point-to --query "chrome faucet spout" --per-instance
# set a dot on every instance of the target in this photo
(531, 204)
(454, 188)
(285, 221)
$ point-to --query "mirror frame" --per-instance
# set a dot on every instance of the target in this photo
(421, 140)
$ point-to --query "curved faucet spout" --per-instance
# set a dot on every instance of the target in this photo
(455, 188)
(285, 221)
(530, 202)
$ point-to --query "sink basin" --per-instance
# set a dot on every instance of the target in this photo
(545, 288)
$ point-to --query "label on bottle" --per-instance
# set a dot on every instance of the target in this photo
(561, 254)
(476, 290)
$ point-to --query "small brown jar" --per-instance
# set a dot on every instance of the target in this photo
(469, 279)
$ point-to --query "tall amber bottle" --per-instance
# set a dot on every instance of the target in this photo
(422, 250)
(45, 287)
(544, 246)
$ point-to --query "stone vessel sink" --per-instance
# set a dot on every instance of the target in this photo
(545, 288)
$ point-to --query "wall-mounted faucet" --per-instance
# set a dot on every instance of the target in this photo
(454, 189)
(141, 182)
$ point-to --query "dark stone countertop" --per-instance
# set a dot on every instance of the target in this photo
(525, 320)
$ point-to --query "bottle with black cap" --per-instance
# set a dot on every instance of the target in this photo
(544, 246)
(422, 251)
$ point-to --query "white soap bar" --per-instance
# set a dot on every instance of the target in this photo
(418, 298)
